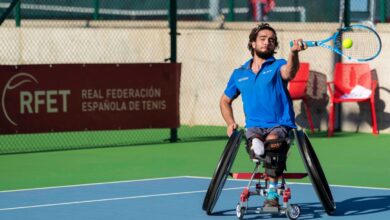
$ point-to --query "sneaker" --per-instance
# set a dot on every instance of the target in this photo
(272, 199)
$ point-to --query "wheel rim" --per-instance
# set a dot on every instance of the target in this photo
(293, 211)
(238, 211)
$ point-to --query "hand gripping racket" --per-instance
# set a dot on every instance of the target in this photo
(364, 43)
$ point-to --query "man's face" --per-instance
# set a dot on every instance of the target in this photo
(264, 46)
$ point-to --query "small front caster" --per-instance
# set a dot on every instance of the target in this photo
(293, 211)
(240, 211)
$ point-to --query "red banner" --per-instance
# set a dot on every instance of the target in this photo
(74, 97)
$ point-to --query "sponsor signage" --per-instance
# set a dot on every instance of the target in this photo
(74, 97)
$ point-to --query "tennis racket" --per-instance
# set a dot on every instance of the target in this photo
(366, 43)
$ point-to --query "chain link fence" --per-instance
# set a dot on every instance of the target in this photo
(212, 39)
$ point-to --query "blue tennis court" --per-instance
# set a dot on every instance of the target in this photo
(177, 198)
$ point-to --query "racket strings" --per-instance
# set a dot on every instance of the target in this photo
(366, 43)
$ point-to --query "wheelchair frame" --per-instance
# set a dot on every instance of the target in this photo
(292, 211)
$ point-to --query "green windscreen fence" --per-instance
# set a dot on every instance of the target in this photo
(211, 42)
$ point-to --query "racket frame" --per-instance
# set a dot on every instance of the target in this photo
(334, 37)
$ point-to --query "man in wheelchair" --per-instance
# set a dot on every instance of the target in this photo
(269, 114)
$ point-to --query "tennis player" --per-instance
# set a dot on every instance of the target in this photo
(262, 84)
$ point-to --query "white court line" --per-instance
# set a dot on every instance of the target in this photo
(108, 199)
(163, 178)
(137, 197)
(297, 183)
(94, 184)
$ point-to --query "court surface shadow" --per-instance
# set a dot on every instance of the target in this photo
(358, 206)
(363, 205)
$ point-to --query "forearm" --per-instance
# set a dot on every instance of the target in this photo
(292, 65)
(289, 70)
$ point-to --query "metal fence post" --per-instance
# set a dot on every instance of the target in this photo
(347, 22)
(17, 14)
(173, 34)
(347, 13)
(96, 4)
(231, 11)
(383, 8)
(8, 10)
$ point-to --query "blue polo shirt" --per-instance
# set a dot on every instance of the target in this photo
(265, 97)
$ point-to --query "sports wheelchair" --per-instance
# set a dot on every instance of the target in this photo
(292, 211)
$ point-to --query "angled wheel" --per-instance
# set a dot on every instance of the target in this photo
(222, 172)
(293, 212)
(240, 211)
(315, 171)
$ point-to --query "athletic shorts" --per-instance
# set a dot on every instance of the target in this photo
(280, 131)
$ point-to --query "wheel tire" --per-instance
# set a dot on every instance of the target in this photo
(315, 172)
(240, 211)
(221, 172)
(293, 212)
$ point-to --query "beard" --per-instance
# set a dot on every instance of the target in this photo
(264, 55)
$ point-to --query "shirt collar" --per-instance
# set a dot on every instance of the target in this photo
(246, 65)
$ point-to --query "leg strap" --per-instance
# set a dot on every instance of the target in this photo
(275, 157)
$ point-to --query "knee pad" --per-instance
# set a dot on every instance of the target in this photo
(275, 158)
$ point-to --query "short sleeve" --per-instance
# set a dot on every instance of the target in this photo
(281, 63)
(231, 90)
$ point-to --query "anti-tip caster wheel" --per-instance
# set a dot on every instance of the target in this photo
(293, 212)
(240, 211)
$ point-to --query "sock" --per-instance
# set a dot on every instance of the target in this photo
(273, 185)
(272, 192)
(257, 146)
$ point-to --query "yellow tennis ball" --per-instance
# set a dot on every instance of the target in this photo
(347, 43)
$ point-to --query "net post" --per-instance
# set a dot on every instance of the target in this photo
(173, 35)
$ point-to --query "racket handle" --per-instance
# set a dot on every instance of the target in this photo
(308, 43)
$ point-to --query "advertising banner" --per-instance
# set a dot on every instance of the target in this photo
(76, 97)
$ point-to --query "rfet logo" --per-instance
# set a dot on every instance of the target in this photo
(31, 101)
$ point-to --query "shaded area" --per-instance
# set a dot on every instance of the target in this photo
(317, 99)
(57, 141)
(358, 206)
(383, 118)
(363, 205)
